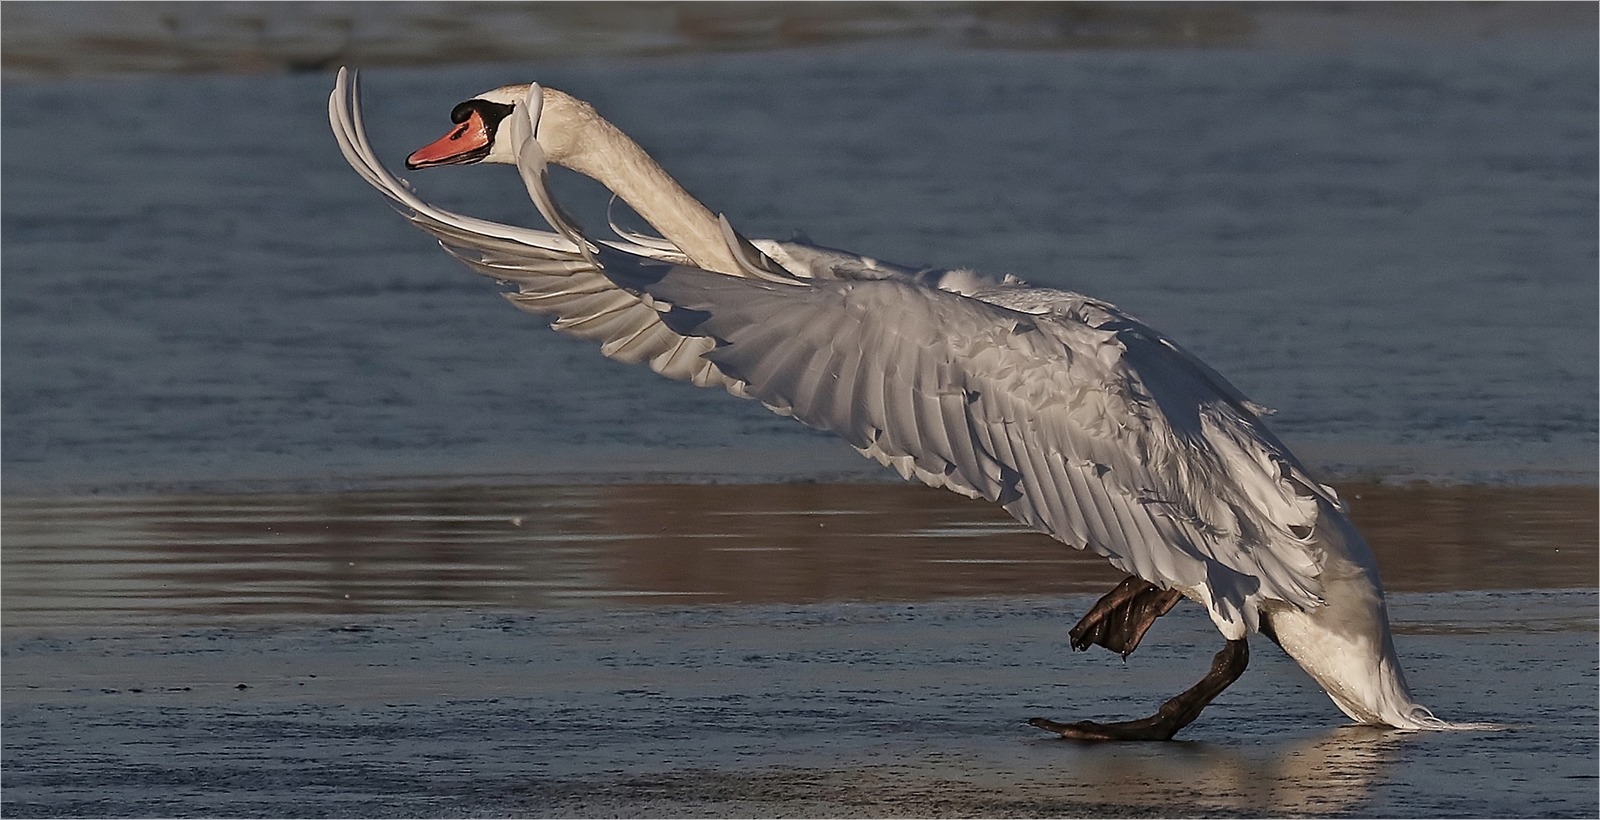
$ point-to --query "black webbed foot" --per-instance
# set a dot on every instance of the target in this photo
(1175, 714)
(1119, 620)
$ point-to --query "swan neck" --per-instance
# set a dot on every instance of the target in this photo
(574, 136)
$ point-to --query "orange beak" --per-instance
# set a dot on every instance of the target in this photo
(466, 143)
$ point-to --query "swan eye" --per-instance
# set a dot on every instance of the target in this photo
(490, 112)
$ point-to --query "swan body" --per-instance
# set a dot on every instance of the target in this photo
(1081, 421)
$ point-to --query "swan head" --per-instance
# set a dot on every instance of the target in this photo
(472, 138)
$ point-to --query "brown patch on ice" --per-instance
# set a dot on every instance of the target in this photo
(92, 560)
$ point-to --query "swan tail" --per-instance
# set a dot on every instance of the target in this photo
(1428, 723)
(1411, 716)
(1345, 644)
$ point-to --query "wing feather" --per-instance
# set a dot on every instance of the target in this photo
(1081, 421)
(1062, 427)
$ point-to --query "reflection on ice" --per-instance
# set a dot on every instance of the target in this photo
(125, 560)
(1331, 773)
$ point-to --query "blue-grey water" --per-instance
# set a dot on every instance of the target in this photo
(1396, 247)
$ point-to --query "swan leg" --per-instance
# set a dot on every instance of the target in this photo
(1173, 715)
(1119, 620)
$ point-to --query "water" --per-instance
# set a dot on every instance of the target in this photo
(1396, 248)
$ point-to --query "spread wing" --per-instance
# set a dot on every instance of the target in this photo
(1080, 421)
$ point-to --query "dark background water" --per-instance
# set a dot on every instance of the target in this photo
(1393, 243)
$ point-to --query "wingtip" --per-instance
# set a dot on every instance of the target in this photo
(346, 77)
(534, 105)
(752, 262)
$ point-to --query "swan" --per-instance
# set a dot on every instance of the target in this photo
(1078, 419)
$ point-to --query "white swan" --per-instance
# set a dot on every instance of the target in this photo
(1081, 421)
